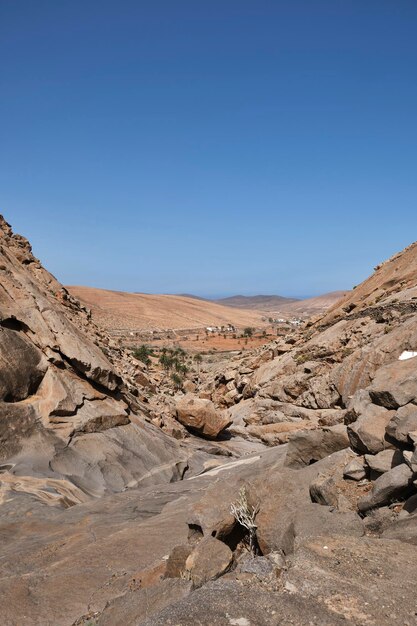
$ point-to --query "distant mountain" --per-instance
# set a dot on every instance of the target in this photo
(312, 306)
(285, 307)
(260, 303)
(191, 295)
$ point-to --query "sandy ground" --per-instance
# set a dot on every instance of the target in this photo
(213, 343)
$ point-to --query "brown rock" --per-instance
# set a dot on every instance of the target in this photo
(307, 446)
(402, 423)
(384, 460)
(368, 434)
(136, 606)
(355, 469)
(201, 416)
(395, 384)
(390, 485)
(210, 559)
(175, 567)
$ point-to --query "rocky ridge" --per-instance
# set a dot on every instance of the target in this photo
(73, 425)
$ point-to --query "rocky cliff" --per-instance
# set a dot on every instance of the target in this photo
(71, 427)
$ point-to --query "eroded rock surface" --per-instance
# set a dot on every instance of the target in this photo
(70, 426)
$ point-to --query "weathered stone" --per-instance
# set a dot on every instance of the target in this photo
(367, 434)
(355, 469)
(228, 602)
(262, 567)
(403, 422)
(210, 559)
(323, 490)
(308, 446)
(175, 567)
(201, 416)
(384, 460)
(390, 485)
(339, 569)
(404, 529)
(282, 496)
(22, 366)
(274, 434)
(315, 520)
(395, 384)
(189, 386)
(136, 606)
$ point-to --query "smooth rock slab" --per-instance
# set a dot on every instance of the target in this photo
(229, 603)
(136, 606)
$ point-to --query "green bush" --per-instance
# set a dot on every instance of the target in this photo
(143, 353)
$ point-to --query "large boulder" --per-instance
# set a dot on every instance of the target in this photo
(395, 384)
(367, 434)
(22, 366)
(384, 460)
(402, 423)
(308, 446)
(210, 559)
(201, 416)
(355, 469)
(390, 485)
(283, 495)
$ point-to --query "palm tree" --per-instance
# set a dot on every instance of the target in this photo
(198, 359)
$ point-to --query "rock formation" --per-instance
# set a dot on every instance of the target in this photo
(67, 416)
(106, 519)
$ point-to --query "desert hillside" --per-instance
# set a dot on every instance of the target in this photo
(393, 280)
(259, 303)
(122, 310)
(286, 307)
(312, 306)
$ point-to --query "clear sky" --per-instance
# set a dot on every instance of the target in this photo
(210, 146)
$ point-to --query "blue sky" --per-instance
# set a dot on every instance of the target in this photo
(219, 147)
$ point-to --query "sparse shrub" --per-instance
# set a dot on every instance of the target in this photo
(248, 332)
(245, 515)
(177, 380)
(301, 358)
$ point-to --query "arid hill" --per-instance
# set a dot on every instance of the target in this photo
(394, 280)
(312, 306)
(259, 303)
(122, 310)
(286, 307)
